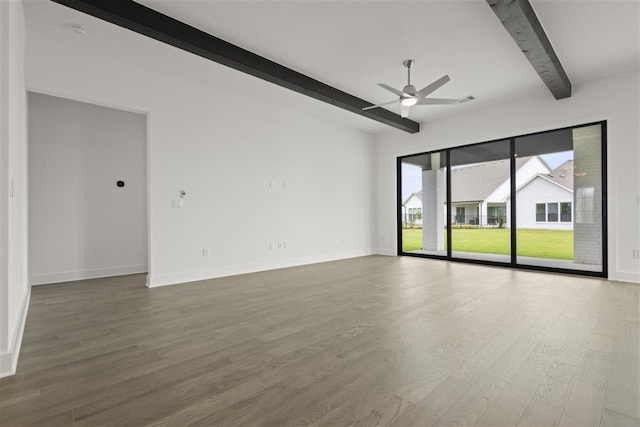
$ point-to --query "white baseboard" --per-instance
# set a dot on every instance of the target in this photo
(96, 273)
(628, 276)
(9, 360)
(154, 281)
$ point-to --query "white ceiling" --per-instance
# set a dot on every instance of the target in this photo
(353, 45)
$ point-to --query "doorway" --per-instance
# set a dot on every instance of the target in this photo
(87, 190)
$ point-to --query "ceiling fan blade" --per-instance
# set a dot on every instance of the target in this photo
(380, 105)
(404, 111)
(433, 86)
(436, 101)
(441, 101)
(391, 89)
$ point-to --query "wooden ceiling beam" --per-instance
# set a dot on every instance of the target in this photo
(520, 20)
(148, 22)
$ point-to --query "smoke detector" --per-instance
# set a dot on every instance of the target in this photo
(79, 29)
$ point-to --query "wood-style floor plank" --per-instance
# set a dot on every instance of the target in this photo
(372, 341)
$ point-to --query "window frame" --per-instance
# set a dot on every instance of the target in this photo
(570, 221)
(512, 214)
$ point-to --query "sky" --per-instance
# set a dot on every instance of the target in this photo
(412, 175)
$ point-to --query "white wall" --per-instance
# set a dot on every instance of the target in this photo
(223, 147)
(614, 98)
(540, 190)
(77, 153)
(14, 289)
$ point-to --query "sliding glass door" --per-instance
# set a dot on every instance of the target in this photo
(535, 201)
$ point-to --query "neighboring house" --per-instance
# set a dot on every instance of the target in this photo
(412, 209)
(480, 192)
(546, 200)
(480, 195)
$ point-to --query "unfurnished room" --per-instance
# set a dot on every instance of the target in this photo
(320, 212)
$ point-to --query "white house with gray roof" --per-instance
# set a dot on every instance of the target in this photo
(545, 201)
(480, 195)
(412, 209)
(480, 192)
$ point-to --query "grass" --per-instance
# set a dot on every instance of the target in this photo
(554, 244)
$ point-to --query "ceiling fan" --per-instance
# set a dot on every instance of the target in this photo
(409, 96)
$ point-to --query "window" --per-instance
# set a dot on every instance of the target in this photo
(535, 201)
(552, 212)
(548, 212)
(415, 214)
(565, 212)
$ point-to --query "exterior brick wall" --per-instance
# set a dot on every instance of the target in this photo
(587, 194)
(433, 200)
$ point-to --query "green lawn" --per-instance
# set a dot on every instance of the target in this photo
(554, 244)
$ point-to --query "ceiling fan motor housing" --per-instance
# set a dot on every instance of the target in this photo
(409, 90)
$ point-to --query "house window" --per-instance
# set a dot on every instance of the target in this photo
(548, 212)
(565, 212)
(415, 214)
(552, 212)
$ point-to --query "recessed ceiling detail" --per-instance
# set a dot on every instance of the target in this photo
(148, 22)
(521, 21)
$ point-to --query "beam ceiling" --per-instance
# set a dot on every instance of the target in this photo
(148, 22)
(520, 20)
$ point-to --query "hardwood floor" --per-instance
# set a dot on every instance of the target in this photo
(373, 341)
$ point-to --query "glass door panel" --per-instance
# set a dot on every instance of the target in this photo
(559, 199)
(423, 204)
(480, 195)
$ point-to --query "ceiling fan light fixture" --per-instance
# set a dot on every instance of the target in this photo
(409, 101)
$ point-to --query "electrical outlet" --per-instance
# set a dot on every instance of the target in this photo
(205, 251)
(636, 253)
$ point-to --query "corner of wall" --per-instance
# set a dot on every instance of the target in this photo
(386, 251)
(9, 359)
